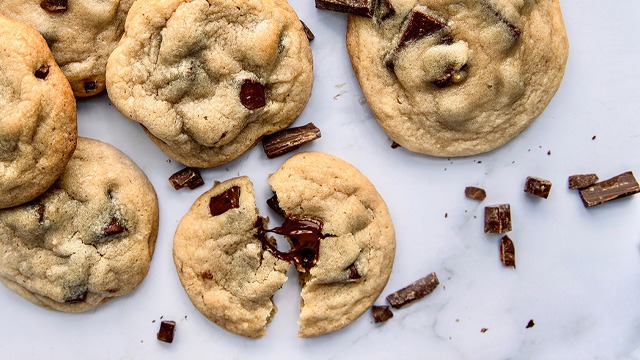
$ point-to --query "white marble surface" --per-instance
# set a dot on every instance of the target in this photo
(578, 274)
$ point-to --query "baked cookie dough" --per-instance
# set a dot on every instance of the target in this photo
(86, 240)
(342, 243)
(38, 127)
(455, 78)
(207, 79)
(80, 33)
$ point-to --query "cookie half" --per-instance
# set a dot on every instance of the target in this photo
(80, 33)
(207, 79)
(454, 78)
(222, 265)
(88, 239)
(38, 127)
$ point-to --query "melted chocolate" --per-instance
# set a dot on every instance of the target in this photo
(229, 199)
(252, 95)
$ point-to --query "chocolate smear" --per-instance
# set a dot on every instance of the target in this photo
(581, 181)
(289, 139)
(617, 187)
(187, 177)
(354, 7)
(497, 219)
(227, 200)
(507, 252)
(381, 313)
(413, 292)
(167, 329)
(475, 193)
(252, 94)
(538, 187)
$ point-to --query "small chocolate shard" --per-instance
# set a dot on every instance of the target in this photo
(307, 31)
(252, 94)
(289, 139)
(354, 7)
(353, 272)
(394, 145)
(617, 187)
(507, 252)
(530, 324)
(275, 205)
(381, 313)
(484, 330)
(90, 86)
(581, 181)
(475, 193)
(42, 72)
(114, 227)
(413, 292)
(451, 76)
(419, 25)
(187, 177)
(497, 219)
(54, 6)
(538, 187)
(227, 200)
(40, 209)
(167, 329)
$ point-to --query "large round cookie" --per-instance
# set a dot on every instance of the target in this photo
(80, 33)
(357, 252)
(453, 78)
(207, 79)
(223, 267)
(37, 115)
(86, 240)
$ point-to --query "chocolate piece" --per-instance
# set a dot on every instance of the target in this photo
(90, 86)
(76, 294)
(530, 324)
(40, 209)
(538, 187)
(413, 292)
(114, 227)
(54, 6)
(582, 181)
(395, 145)
(381, 313)
(289, 139)
(42, 72)
(355, 7)
(304, 234)
(353, 272)
(187, 177)
(307, 31)
(452, 76)
(385, 10)
(507, 252)
(475, 193)
(166, 331)
(227, 200)
(513, 30)
(252, 95)
(497, 219)
(617, 187)
(419, 25)
(484, 330)
(275, 205)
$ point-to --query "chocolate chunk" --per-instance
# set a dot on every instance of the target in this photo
(475, 193)
(353, 272)
(582, 181)
(275, 205)
(40, 209)
(507, 252)
(617, 187)
(394, 145)
(497, 219)
(419, 25)
(355, 7)
(54, 6)
(114, 227)
(187, 177)
(530, 324)
(42, 72)
(413, 292)
(289, 139)
(252, 95)
(381, 313)
(90, 86)
(538, 187)
(307, 31)
(166, 331)
(227, 200)
(304, 234)
(451, 76)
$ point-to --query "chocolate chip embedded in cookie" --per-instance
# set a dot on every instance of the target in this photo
(88, 239)
(81, 35)
(38, 127)
(208, 79)
(455, 78)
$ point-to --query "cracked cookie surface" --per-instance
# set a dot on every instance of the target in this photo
(86, 240)
(80, 33)
(207, 79)
(357, 252)
(455, 78)
(38, 127)
(222, 266)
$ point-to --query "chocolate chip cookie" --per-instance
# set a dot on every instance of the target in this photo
(80, 33)
(454, 78)
(38, 128)
(342, 244)
(207, 79)
(87, 239)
